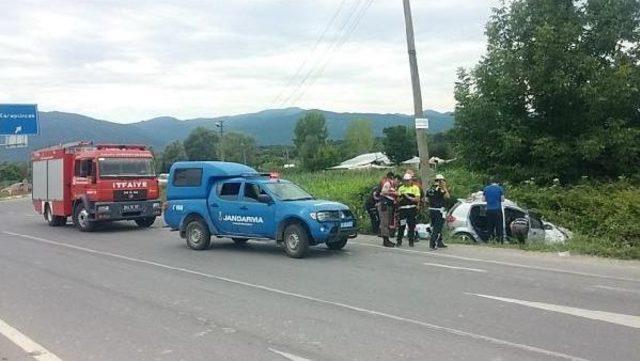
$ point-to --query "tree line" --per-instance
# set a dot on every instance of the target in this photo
(312, 148)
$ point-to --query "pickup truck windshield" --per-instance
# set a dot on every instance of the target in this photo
(125, 167)
(288, 191)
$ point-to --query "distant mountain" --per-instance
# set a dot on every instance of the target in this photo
(268, 127)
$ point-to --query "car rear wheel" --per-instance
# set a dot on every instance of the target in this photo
(337, 245)
(145, 222)
(464, 237)
(197, 235)
(82, 219)
(52, 220)
(296, 241)
(240, 241)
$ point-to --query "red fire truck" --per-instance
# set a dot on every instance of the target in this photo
(95, 183)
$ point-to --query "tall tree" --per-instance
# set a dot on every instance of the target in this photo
(399, 143)
(312, 123)
(174, 152)
(239, 148)
(310, 139)
(201, 144)
(359, 137)
(558, 92)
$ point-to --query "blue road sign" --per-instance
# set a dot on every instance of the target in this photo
(18, 119)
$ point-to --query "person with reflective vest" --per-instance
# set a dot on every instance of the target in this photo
(437, 196)
(408, 200)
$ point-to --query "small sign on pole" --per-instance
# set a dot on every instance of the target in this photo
(422, 123)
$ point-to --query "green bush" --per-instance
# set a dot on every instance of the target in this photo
(603, 215)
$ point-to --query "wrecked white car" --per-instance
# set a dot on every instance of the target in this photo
(467, 220)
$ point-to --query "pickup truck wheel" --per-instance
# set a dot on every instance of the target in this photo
(337, 245)
(82, 219)
(197, 235)
(53, 221)
(145, 222)
(296, 241)
(240, 241)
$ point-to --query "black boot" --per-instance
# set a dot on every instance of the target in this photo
(387, 243)
(410, 241)
(398, 242)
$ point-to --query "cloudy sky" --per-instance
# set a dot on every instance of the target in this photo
(126, 61)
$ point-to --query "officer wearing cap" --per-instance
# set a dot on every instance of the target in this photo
(408, 200)
(437, 196)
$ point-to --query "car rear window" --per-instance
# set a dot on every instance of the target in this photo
(187, 177)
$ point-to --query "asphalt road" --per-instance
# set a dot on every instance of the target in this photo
(124, 293)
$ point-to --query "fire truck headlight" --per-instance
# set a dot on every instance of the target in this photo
(103, 209)
(157, 205)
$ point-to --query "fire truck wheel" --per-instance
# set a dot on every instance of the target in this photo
(82, 220)
(53, 221)
(145, 222)
(197, 235)
(296, 240)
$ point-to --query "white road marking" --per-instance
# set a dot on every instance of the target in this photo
(430, 326)
(619, 289)
(288, 355)
(501, 263)
(454, 267)
(616, 318)
(31, 347)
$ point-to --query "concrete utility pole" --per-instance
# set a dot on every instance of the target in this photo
(421, 122)
(220, 124)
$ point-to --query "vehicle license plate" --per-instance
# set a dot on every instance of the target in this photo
(131, 208)
(346, 225)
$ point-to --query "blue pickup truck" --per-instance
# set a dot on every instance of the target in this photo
(233, 200)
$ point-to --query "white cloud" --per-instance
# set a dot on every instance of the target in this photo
(126, 61)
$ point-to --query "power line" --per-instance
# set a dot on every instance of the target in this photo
(340, 33)
(341, 43)
(310, 56)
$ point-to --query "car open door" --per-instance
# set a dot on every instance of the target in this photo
(536, 229)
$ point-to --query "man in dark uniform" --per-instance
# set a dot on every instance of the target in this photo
(437, 196)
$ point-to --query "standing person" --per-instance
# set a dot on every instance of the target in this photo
(385, 207)
(408, 199)
(370, 205)
(493, 194)
(437, 196)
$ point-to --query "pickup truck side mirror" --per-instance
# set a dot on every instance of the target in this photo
(264, 198)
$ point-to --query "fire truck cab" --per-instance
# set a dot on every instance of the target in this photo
(95, 183)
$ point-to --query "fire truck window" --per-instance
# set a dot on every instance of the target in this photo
(83, 168)
(229, 191)
(188, 177)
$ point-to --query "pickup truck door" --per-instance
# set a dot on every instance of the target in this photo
(224, 206)
(258, 212)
